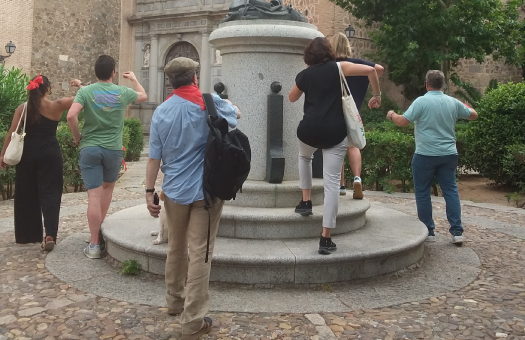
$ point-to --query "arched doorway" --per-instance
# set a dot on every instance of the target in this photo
(182, 49)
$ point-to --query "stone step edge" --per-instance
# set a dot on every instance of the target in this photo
(266, 261)
(239, 213)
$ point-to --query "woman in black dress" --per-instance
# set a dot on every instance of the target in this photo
(38, 180)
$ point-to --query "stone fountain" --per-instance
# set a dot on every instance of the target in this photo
(261, 240)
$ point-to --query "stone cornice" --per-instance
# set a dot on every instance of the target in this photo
(136, 19)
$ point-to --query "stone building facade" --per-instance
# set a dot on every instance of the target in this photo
(59, 38)
(16, 24)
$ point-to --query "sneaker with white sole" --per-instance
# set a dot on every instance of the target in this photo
(92, 251)
(457, 238)
(342, 190)
(431, 236)
(358, 188)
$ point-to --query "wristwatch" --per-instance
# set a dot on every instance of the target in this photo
(150, 190)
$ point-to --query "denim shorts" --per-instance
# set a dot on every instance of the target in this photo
(99, 165)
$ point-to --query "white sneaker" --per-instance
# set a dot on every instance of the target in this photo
(92, 251)
(358, 188)
(431, 238)
(457, 238)
(342, 190)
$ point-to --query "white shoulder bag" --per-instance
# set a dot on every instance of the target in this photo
(354, 124)
(13, 153)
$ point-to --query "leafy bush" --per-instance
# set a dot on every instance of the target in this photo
(461, 145)
(136, 139)
(501, 124)
(374, 116)
(130, 267)
(514, 166)
(387, 157)
(72, 176)
(12, 93)
(125, 142)
(7, 178)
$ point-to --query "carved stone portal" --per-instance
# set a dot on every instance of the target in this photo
(182, 49)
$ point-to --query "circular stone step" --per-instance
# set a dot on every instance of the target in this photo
(260, 194)
(285, 223)
(389, 242)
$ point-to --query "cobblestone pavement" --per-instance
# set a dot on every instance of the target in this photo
(36, 305)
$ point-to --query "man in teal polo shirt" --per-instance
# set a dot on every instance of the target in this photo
(434, 116)
(104, 105)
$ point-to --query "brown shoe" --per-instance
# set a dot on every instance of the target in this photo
(206, 328)
(358, 190)
(48, 244)
(175, 311)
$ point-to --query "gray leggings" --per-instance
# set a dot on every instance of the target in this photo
(332, 161)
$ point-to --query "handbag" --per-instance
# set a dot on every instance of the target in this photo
(354, 125)
(13, 153)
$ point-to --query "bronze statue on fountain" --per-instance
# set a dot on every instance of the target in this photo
(260, 9)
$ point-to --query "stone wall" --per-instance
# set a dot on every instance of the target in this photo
(16, 24)
(69, 36)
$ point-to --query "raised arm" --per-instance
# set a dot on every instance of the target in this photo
(350, 69)
(136, 86)
(14, 123)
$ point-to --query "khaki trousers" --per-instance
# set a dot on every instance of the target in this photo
(187, 276)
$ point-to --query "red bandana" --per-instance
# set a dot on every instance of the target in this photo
(191, 93)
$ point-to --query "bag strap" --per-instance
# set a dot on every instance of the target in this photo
(345, 89)
(210, 105)
(23, 115)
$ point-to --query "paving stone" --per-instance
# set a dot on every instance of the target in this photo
(491, 305)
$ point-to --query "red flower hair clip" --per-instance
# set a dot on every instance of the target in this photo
(35, 83)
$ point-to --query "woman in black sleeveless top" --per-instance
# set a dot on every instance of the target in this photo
(323, 127)
(38, 179)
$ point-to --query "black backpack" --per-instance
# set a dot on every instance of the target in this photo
(226, 161)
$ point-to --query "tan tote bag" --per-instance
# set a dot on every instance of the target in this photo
(354, 124)
(13, 153)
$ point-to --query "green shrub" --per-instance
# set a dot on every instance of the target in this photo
(130, 267)
(374, 116)
(387, 157)
(125, 142)
(514, 166)
(12, 93)
(463, 158)
(72, 176)
(501, 124)
(7, 178)
(388, 126)
(136, 139)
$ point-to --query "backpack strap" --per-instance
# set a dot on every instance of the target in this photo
(212, 112)
(210, 105)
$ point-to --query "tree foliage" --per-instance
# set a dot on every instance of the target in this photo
(12, 93)
(414, 36)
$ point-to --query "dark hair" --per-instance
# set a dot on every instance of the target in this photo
(183, 80)
(318, 51)
(435, 79)
(34, 98)
(104, 67)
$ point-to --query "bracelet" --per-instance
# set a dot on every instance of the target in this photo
(377, 95)
(150, 190)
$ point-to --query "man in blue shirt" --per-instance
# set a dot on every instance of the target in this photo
(434, 116)
(178, 137)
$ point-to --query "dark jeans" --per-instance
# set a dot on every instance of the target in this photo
(443, 168)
